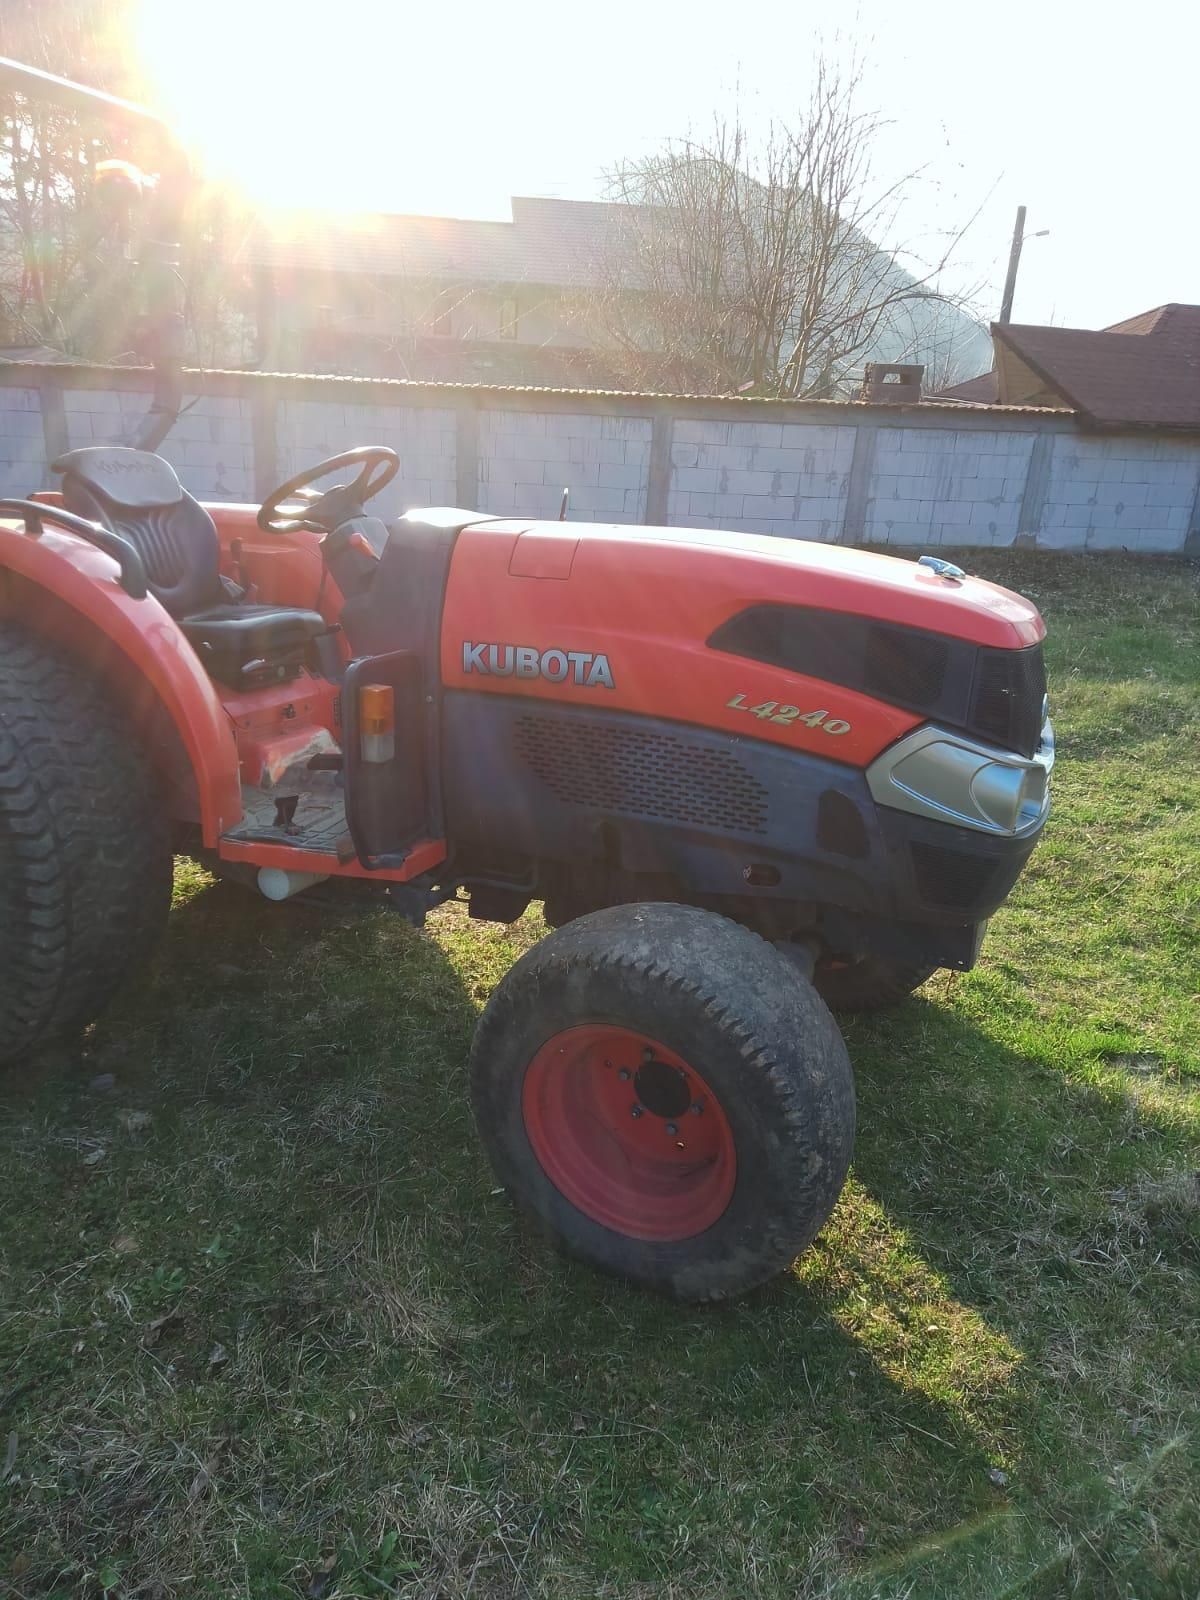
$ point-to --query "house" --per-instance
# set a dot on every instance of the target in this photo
(531, 301)
(449, 298)
(1143, 372)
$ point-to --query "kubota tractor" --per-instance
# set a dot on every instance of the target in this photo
(752, 780)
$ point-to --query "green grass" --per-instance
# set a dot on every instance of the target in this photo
(267, 1329)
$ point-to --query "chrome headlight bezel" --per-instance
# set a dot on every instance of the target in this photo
(936, 773)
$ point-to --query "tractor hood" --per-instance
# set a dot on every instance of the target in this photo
(888, 588)
(670, 623)
(741, 568)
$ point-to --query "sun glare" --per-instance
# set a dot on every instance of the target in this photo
(310, 104)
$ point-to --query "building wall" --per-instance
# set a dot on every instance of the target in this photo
(910, 476)
(942, 486)
(1120, 493)
(527, 458)
(1021, 385)
(22, 445)
(762, 477)
(307, 431)
(343, 306)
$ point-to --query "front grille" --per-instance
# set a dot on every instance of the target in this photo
(952, 878)
(904, 665)
(994, 695)
(1007, 699)
(642, 772)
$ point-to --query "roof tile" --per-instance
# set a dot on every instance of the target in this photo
(1144, 372)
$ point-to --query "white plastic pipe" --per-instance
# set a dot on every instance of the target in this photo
(279, 884)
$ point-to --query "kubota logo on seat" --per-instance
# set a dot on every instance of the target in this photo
(524, 661)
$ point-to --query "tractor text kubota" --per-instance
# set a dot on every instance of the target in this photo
(753, 780)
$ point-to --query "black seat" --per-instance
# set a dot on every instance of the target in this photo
(138, 495)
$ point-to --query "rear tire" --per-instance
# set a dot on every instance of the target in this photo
(868, 983)
(85, 859)
(588, 1065)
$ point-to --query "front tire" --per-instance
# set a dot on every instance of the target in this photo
(667, 1102)
(85, 859)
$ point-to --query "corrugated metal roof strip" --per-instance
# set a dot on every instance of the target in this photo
(59, 372)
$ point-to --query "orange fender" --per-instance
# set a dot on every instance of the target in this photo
(67, 590)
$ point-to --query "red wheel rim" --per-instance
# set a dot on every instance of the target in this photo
(629, 1132)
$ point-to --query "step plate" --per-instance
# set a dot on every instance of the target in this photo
(318, 824)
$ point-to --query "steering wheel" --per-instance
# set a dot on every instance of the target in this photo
(322, 512)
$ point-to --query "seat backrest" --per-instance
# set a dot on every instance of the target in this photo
(139, 496)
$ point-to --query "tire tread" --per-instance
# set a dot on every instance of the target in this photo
(84, 848)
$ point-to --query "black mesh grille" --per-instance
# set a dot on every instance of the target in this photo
(642, 773)
(951, 878)
(995, 695)
(906, 665)
(901, 665)
(1006, 706)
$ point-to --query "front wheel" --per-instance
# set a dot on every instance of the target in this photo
(662, 1096)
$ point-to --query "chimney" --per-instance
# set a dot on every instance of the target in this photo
(891, 385)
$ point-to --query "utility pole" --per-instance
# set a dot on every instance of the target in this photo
(1014, 261)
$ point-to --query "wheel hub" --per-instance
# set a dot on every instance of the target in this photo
(630, 1133)
(662, 1089)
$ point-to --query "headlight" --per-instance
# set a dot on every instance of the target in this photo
(938, 774)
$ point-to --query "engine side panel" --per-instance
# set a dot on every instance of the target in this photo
(625, 625)
(530, 785)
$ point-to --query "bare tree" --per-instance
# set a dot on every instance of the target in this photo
(746, 265)
(949, 344)
(46, 161)
(63, 282)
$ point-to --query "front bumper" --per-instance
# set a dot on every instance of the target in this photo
(959, 818)
(958, 821)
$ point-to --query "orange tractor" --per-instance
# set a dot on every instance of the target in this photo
(750, 779)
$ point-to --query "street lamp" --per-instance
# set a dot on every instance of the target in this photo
(1014, 256)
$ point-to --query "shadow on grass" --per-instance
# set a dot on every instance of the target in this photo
(397, 1355)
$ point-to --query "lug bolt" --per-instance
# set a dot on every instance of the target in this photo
(635, 1111)
(695, 1108)
(672, 1129)
(624, 1074)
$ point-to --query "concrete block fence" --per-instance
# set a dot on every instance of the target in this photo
(840, 472)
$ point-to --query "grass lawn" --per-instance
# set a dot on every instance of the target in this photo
(267, 1329)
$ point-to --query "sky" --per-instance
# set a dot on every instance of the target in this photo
(1084, 113)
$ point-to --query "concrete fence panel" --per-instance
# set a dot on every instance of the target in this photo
(916, 475)
(527, 458)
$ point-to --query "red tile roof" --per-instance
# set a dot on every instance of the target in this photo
(1174, 321)
(981, 391)
(1144, 372)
